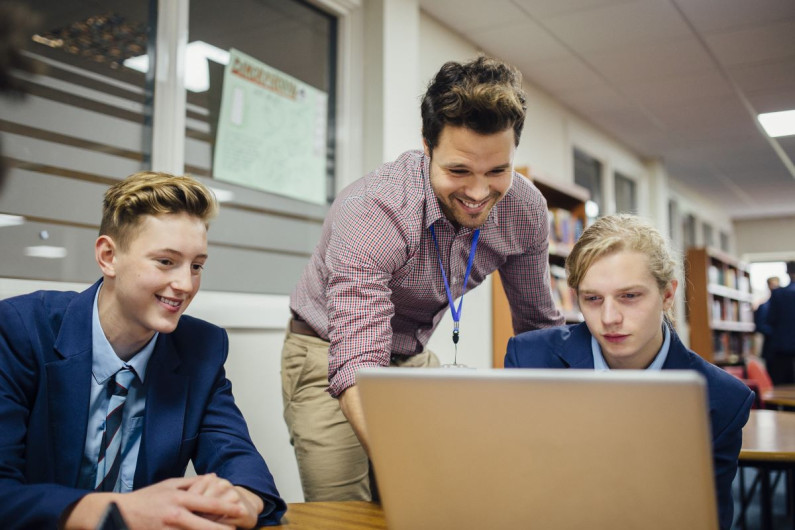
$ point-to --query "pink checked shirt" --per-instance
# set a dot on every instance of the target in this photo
(373, 287)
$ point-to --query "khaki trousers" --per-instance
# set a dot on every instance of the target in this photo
(331, 461)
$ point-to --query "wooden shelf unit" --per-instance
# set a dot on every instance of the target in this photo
(566, 203)
(720, 315)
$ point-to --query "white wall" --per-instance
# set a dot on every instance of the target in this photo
(769, 239)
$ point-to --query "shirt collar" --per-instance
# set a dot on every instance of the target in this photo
(600, 364)
(104, 361)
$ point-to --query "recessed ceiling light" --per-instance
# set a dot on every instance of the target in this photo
(11, 220)
(45, 251)
(778, 123)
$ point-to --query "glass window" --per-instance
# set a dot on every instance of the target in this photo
(83, 123)
(709, 236)
(689, 231)
(724, 241)
(588, 174)
(673, 219)
(286, 103)
(626, 195)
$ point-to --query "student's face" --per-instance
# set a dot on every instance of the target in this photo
(623, 308)
(471, 172)
(152, 282)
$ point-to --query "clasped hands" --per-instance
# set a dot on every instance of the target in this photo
(205, 502)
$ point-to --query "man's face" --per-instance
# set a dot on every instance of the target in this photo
(471, 172)
(152, 281)
(623, 308)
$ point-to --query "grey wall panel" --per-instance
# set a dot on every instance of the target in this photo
(88, 125)
(68, 157)
(257, 200)
(249, 271)
(34, 194)
(122, 103)
(198, 153)
(77, 266)
(266, 231)
(228, 269)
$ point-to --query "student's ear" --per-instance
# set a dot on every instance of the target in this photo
(668, 294)
(105, 254)
(426, 148)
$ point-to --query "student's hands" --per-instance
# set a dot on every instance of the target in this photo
(250, 504)
(195, 503)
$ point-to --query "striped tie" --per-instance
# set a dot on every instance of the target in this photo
(109, 451)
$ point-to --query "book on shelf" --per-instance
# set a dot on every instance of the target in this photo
(564, 228)
(730, 278)
(714, 274)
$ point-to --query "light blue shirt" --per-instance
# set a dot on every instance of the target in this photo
(600, 364)
(105, 363)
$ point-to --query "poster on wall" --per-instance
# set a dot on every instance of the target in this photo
(271, 131)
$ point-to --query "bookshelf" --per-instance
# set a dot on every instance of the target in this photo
(566, 204)
(718, 291)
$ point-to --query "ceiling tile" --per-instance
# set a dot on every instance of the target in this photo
(522, 43)
(766, 77)
(717, 15)
(472, 15)
(548, 8)
(650, 62)
(678, 90)
(755, 44)
(619, 26)
(561, 75)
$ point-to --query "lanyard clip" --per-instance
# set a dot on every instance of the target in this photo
(455, 332)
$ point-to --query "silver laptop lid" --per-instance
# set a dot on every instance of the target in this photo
(540, 448)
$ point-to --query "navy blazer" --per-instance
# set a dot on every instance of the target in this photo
(730, 399)
(780, 318)
(45, 371)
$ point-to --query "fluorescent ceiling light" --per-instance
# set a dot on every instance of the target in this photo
(778, 123)
(44, 251)
(11, 220)
(197, 73)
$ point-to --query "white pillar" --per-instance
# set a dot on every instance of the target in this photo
(168, 132)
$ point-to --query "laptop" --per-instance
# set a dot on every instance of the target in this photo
(545, 449)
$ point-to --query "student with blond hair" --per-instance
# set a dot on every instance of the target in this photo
(624, 276)
(106, 395)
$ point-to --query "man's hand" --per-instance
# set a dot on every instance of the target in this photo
(351, 405)
(196, 503)
(212, 486)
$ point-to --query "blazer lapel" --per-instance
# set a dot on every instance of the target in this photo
(678, 358)
(68, 382)
(166, 403)
(575, 349)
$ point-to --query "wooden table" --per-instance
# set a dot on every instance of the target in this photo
(769, 445)
(353, 515)
(782, 395)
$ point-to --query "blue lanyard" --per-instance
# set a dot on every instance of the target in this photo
(456, 312)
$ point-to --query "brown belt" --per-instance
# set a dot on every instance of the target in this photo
(302, 328)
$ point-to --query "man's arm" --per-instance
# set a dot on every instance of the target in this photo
(351, 405)
(224, 446)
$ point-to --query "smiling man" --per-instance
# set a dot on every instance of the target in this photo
(397, 247)
(106, 395)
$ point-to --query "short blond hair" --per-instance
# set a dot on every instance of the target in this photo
(622, 232)
(152, 193)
